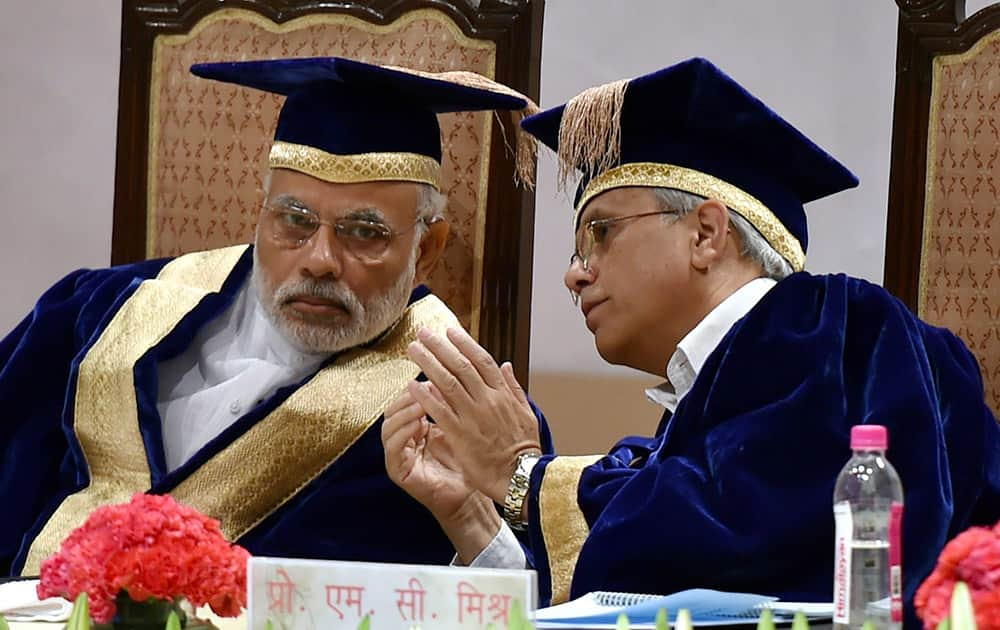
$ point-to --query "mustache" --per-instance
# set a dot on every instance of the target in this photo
(331, 291)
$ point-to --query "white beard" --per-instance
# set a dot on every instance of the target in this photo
(366, 321)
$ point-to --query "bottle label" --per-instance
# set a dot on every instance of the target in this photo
(896, 560)
(844, 531)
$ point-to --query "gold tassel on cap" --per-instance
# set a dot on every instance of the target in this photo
(591, 129)
(526, 150)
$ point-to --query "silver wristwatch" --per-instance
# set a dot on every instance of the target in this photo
(513, 503)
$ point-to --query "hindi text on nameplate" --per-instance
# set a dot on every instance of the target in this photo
(323, 594)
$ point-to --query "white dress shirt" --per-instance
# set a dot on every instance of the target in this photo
(504, 551)
(692, 351)
(234, 363)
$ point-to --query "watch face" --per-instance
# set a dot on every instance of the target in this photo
(527, 463)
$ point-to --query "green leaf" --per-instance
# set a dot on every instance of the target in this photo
(79, 618)
(945, 624)
(173, 621)
(366, 623)
(799, 621)
(517, 620)
(962, 616)
(766, 621)
(868, 625)
(661, 620)
(3, 623)
(683, 620)
(622, 623)
(269, 625)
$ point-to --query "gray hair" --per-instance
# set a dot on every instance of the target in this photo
(430, 206)
(754, 246)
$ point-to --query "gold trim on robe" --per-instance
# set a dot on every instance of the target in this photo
(105, 412)
(564, 528)
(315, 425)
(251, 478)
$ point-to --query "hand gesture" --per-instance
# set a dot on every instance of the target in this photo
(480, 406)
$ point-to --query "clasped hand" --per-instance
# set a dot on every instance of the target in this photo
(483, 421)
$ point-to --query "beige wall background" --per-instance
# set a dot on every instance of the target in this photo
(826, 66)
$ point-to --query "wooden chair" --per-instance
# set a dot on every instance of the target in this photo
(943, 235)
(192, 153)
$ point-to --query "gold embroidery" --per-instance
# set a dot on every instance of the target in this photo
(362, 167)
(564, 528)
(105, 416)
(274, 460)
(652, 174)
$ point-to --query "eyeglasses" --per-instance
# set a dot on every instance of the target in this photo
(291, 225)
(594, 233)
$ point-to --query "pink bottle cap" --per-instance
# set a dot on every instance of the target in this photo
(869, 436)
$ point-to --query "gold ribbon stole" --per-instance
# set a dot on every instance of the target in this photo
(564, 528)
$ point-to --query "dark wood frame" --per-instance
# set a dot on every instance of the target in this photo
(516, 28)
(927, 28)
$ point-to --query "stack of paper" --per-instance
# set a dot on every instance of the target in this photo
(601, 609)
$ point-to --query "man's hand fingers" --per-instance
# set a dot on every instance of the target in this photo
(508, 376)
(429, 363)
(402, 433)
(434, 404)
(405, 436)
(401, 417)
(405, 399)
(477, 356)
(453, 360)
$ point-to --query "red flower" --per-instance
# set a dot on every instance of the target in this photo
(152, 547)
(972, 557)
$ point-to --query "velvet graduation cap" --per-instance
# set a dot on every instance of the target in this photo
(346, 121)
(693, 128)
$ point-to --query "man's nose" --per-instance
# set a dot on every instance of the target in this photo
(323, 255)
(577, 277)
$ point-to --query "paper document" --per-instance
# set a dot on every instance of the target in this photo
(600, 609)
(19, 602)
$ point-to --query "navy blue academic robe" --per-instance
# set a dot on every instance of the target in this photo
(300, 475)
(735, 489)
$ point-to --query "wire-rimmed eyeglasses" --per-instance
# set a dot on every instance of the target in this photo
(593, 234)
(291, 225)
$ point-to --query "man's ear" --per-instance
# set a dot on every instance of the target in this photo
(431, 247)
(712, 219)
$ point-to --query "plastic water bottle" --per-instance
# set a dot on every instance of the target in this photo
(868, 513)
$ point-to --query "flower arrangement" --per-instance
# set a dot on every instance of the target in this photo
(151, 548)
(972, 558)
(156, 549)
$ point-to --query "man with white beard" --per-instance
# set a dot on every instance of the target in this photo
(249, 382)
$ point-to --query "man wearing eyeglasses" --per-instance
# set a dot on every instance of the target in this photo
(249, 382)
(690, 246)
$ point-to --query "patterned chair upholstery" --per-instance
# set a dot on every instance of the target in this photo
(203, 145)
(943, 237)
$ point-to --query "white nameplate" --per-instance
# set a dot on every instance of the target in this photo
(323, 594)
